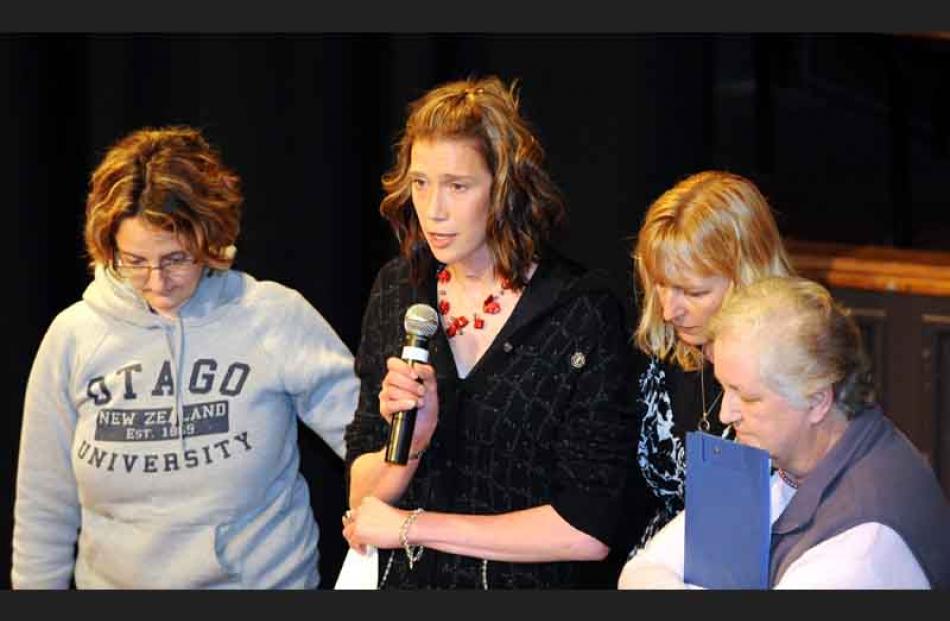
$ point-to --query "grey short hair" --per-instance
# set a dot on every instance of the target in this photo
(813, 340)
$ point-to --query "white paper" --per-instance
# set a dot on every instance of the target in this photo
(359, 571)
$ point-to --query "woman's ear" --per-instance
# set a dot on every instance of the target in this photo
(820, 403)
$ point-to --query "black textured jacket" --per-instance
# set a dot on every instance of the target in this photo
(545, 417)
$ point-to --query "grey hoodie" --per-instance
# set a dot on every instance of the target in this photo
(223, 504)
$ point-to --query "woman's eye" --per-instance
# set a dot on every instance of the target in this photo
(418, 183)
(459, 187)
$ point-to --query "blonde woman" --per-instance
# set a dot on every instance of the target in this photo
(702, 238)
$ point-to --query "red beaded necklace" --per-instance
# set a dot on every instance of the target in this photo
(490, 306)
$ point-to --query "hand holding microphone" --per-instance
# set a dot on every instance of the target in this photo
(401, 391)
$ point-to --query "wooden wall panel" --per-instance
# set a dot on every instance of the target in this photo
(901, 301)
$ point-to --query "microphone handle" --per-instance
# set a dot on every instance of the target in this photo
(400, 437)
(404, 423)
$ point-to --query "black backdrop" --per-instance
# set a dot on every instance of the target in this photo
(847, 135)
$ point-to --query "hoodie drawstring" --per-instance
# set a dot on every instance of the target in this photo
(177, 365)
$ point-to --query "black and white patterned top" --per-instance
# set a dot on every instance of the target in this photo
(546, 416)
(670, 403)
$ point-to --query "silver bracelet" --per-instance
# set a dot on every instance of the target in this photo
(413, 553)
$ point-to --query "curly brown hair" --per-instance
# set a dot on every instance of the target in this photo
(526, 207)
(176, 181)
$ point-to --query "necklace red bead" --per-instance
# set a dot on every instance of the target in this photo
(490, 306)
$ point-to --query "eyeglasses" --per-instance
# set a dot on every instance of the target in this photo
(138, 273)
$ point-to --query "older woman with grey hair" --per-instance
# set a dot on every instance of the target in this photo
(854, 504)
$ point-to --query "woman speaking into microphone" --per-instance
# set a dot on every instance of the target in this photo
(524, 431)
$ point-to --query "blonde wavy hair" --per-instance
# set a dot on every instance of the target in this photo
(711, 223)
(176, 181)
(526, 206)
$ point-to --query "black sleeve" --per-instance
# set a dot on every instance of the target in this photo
(598, 479)
(368, 431)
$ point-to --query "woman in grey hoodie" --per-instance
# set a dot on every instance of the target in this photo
(160, 422)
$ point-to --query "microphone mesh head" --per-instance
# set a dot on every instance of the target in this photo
(421, 320)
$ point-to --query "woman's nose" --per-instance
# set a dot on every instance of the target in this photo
(156, 277)
(434, 205)
(671, 303)
(728, 412)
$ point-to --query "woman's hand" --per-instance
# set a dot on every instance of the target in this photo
(401, 391)
(373, 523)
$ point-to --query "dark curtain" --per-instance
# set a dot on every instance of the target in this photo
(308, 121)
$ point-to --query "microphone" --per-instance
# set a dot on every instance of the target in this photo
(420, 323)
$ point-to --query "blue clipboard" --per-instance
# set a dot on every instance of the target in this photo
(728, 527)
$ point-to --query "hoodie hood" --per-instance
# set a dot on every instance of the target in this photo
(110, 296)
(216, 293)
